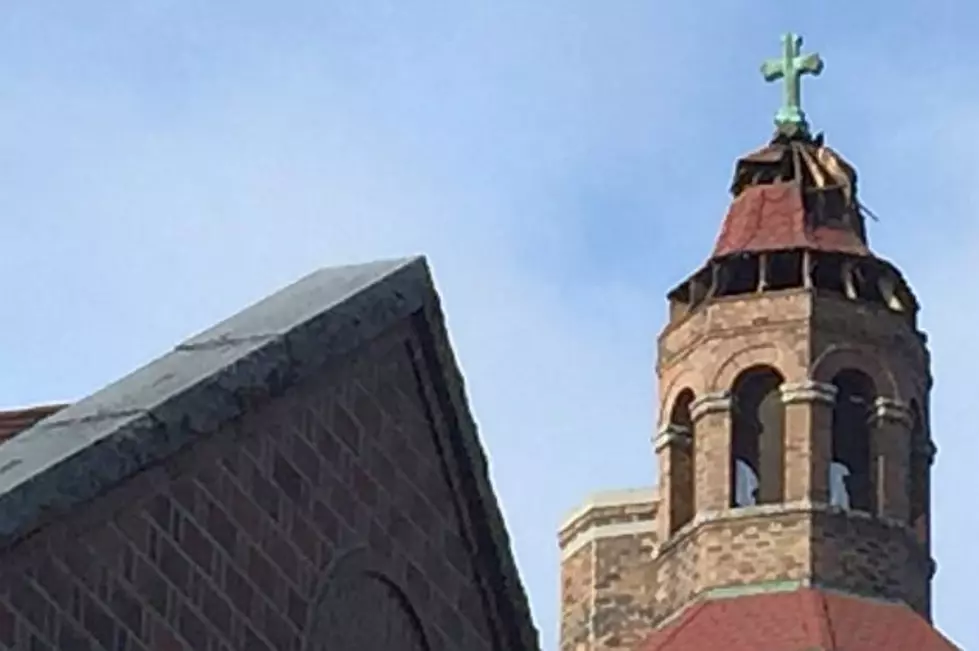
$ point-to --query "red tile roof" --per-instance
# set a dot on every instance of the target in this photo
(772, 217)
(801, 620)
(13, 421)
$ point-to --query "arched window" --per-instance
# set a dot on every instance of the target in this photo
(850, 483)
(757, 424)
(918, 472)
(682, 477)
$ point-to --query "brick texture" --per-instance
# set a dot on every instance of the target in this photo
(232, 544)
(808, 338)
(606, 576)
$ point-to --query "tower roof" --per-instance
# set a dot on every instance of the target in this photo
(801, 620)
(794, 193)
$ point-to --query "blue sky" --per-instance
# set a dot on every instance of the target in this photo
(165, 163)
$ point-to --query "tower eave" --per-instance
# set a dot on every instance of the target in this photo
(797, 619)
(775, 217)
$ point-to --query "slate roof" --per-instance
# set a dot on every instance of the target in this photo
(82, 450)
(801, 620)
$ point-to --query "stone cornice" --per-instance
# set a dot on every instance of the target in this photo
(710, 403)
(672, 434)
(767, 510)
(891, 410)
(927, 449)
(808, 391)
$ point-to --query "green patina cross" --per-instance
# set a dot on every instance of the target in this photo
(791, 67)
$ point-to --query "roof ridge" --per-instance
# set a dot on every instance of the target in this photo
(826, 634)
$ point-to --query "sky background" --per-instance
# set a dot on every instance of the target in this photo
(165, 163)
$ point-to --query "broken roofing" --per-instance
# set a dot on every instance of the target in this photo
(794, 193)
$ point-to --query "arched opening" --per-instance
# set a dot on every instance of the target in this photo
(918, 475)
(682, 478)
(757, 425)
(850, 477)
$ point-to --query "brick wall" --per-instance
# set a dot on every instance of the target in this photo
(229, 545)
(807, 337)
(606, 585)
(791, 543)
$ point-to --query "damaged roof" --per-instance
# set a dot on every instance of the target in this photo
(794, 193)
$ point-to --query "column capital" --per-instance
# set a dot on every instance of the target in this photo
(808, 391)
(892, 410)
(710, 403)
(926, 449)
(672, 434)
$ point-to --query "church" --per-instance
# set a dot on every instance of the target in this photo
(307, 475)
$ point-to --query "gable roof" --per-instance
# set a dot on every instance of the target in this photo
(84, 449)
(805, 619)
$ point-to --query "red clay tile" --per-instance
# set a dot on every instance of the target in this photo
(772, 218)
(14, 421)
(802, 620)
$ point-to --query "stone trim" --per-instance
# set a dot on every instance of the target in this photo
(85, 449)
(808, 391)
(615, 530)
(772, 587)
(749, 589)
(710, 403)
(672, 433)
(927, 449)
(891, 410)
(610, 499)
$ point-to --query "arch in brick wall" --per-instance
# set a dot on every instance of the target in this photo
(919, 492)
(682, 479)
(768, 354)
(687, 379)
(360, 606)
(757, 436)
(854, 484)
(839, 357)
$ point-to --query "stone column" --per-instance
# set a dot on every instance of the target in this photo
(673, 446)
(890, 443)
(808, 440)
(711, 415)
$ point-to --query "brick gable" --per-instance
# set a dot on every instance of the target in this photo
(353, 475)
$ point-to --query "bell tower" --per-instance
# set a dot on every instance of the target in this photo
(794, 447)
(794, 450)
